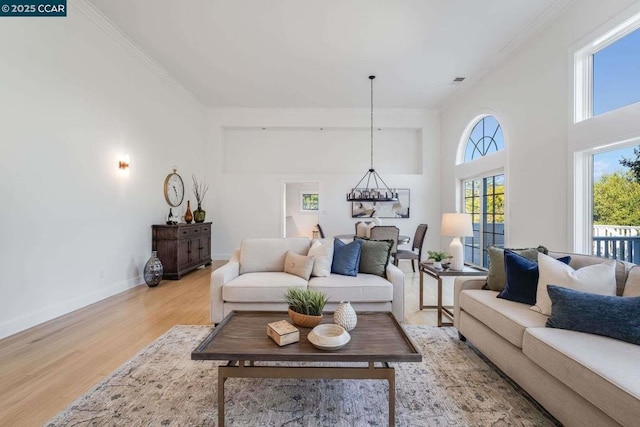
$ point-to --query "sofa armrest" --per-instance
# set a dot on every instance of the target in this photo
(460, 284)
(220, 277)
(396, 277)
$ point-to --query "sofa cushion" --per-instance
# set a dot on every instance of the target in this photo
(602, 370)
(299, 265)
(374, 256)
(496, 277)
(322, 253)
(346, 257)
(362, 288)
(632, 285)
(261, 287)
(260, 255)
(611, 316)
(596, 278)
(507, 318)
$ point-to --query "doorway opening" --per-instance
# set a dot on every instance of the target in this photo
(301, 208)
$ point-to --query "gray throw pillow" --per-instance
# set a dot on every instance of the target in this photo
(374, 256)
(496, 277)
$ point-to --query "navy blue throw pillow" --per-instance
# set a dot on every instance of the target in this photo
(613, 317)
(522, 278)
(346, 257)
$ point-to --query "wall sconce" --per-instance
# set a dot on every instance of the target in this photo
(123, 162)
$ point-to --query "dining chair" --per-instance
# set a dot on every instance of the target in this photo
(361, 223)
(418, 240)
(386, 232)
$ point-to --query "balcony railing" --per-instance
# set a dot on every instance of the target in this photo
(617, 242)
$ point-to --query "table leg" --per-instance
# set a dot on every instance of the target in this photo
(392, 399)
(421, 285)
(221, 380)
(439, 301)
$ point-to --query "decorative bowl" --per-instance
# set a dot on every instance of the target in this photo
(304, 320)
(329, 337)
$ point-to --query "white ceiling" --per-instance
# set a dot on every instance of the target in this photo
(319, 53)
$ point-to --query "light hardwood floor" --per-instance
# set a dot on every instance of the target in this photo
(45, 368)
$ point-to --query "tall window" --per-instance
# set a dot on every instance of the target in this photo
(484, 200)
(604, 134)
(483, 193)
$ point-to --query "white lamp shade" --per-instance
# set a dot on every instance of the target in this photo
(456, 225)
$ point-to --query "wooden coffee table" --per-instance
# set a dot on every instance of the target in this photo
(241, 339)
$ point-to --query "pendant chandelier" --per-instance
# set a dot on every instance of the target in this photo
(374, 189)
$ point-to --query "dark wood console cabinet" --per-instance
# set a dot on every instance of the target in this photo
(182, 248)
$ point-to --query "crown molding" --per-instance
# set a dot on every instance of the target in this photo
(102, 22)
(542, 21)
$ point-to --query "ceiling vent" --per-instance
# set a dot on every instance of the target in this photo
(458, 79)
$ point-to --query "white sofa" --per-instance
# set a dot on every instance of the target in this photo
(254, 279)
(581, 379)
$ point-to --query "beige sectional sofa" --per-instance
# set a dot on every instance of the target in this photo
(254, 279)
(581, 379)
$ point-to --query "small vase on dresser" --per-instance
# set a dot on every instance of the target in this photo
(188, 216)
(345, 316)
(199, 214)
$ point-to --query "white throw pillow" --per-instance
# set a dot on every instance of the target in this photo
(596, 279)
(322, 253)
(299, 265)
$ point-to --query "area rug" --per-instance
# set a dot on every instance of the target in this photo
(162, 386)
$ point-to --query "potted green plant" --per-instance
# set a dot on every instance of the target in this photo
(305, 306)
(438, 257)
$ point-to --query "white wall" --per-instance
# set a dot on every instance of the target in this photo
(248, 203)
(73, 230)
(529, 93)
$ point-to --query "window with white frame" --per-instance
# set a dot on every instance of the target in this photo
(485, 138)
(606, 150)
(606, 71)
(482, 189)
(309, 201)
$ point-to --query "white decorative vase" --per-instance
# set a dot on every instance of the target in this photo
(345, 316)
(437, 264)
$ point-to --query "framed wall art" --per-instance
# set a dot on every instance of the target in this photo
(399, 209)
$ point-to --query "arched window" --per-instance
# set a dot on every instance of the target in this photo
(482, 187)
(485, 137)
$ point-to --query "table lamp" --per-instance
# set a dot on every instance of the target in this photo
(456, 225)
